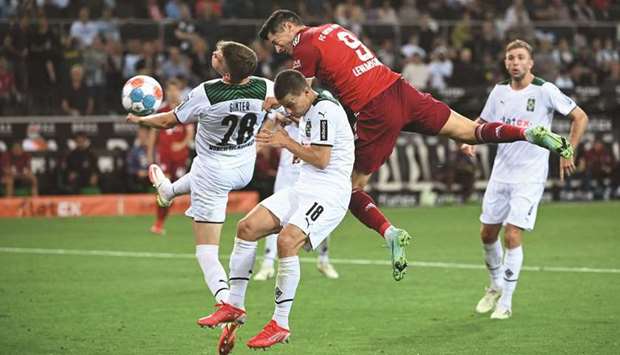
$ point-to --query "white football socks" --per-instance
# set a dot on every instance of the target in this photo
(213, 271)
(324, 251)
(241, 264)
(271, 249)
(289, 273)
(180, 187)
(493, 259)
(512, 268)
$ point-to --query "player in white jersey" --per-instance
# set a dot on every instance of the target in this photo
(519, 172)
(288, 172)
(229, 113)
(304, 214)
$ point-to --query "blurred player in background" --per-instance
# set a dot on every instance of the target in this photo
(288, 172)
(229, 113)
(303, 214)
(385, 104)
(173, 146)
(519, 172)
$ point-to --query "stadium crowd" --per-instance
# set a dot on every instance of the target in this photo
(69, 57)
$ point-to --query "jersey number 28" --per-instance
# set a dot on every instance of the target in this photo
(245, 131)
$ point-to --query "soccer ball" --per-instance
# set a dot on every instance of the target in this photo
(142, 95)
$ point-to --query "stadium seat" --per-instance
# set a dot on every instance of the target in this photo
(117, 143)
(105, 164)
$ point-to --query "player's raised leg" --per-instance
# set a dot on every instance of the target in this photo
(364, 208)
(465, 130)
(258, 223)
(267, 270)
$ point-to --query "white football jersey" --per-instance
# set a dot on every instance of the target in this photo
(535, 105)
(288, 164)
(228, 116)
(326, 124)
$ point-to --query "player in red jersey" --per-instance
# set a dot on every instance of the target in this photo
(172, 148)
(384, 104)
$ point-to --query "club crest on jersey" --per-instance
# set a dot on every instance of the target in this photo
(308, 129)
(531, 104)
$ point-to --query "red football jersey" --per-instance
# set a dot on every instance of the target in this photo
(167, 137)
(337, 58)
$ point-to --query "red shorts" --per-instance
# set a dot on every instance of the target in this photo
(399, 108)
(173, 169)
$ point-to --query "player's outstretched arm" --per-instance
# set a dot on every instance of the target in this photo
(160, 120)
(316, 155)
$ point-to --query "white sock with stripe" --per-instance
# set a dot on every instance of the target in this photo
(289, 273)
(241, 264)
(512, 269)
(212, 270)
(493, 259)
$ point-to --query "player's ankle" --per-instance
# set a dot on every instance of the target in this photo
(386, 228)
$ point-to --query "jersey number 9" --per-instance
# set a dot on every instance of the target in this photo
(363, 53)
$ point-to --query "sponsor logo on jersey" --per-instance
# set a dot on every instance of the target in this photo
(296, 40)
(323, 129)
(308, 129)
(531, 104)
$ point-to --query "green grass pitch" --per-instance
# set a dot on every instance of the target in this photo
(95, 304)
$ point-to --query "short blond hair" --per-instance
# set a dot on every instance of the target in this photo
(518, 43)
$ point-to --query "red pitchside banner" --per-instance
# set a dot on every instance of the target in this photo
(108, 205)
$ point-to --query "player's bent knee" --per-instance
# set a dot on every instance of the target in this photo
(489, 233)
(246, 230)
(290, 240)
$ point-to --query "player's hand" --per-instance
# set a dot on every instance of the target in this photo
(270, 103)
(277, 138)
(567, 168)
(469, 150)
(131, 118)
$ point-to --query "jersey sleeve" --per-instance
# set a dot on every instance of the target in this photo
(323, 129)
(558, 100)
(195, 103)
(307, 58)
(269, 88)
(489, 112)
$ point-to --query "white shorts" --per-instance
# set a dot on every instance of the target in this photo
(316, 214)
(514, 204)
(286, 177)
(210, 185)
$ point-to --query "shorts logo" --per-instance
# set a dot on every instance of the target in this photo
(531, 104)
(529, 213)
(308, 129)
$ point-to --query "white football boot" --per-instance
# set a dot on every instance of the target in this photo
(488, 301)
(501, 313)
(159, 180)
(328, 270)
(266, 272)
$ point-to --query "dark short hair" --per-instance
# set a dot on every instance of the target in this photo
(240, 60)
(274, 23)
(289, 81)
(518, 43)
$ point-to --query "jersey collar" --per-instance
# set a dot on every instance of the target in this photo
(297, 37)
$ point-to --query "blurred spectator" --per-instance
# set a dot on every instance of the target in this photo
(564, 80)
(386, 53)
(34, 142)
(264, 66)
(131, 57)
(349, 14)
(42, 47)
(415, 71)
(16, 170)
(386, 14)
(177, 65)
(410, 48)
(8, 90)
(466, 72)
(461, 169)
(173, 9)
(201, 61)
(138, 163)
(70, 55)
(83, 29)
(428, 31)
(95, 61)
(408, 12)
(154, 11)
(114, 76)
(582, 12)
(562, 54)
(517, 20)
(16, 51)
(440, 68)
(544, 61)
(597, 164)
(559, 11)
(149, 59)
(487, 42)
(79, 169)
(77, 98)
(540, 10)
(107, 26)
(185, 30)
(462, 33)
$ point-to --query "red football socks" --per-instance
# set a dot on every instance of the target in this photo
(497, 132)
(363, 207)
(162, 213)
